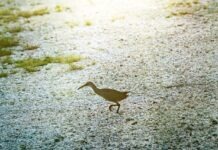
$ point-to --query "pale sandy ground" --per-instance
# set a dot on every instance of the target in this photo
(168, 64)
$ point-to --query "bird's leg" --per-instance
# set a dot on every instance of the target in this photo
(118, 107)
(111, 107)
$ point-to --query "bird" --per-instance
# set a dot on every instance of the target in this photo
(108, 94)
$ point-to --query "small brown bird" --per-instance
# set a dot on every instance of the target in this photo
(108, 94)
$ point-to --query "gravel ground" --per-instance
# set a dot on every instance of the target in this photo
(168, 64)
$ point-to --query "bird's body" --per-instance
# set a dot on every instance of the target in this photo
(108, 94)
(112, 95)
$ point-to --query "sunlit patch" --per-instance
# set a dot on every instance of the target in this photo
(99, 11)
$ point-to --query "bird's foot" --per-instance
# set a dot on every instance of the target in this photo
(110, 107)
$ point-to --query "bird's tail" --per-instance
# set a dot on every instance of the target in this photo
(127, 92)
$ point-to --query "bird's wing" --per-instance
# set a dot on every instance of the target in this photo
(112, 95)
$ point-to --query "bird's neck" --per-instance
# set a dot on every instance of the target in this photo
(94, 88)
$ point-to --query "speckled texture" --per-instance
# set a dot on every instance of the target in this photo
(168, 64)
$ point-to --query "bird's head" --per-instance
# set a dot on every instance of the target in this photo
(86, 84)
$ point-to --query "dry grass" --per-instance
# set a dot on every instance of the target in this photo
(30, 46)
(183, 7)
(73, 67)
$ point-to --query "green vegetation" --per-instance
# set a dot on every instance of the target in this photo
(6, 60)
(7, 15)
(14, 29)
(37, 12)
(10, 1)
(4, 52)
(3, 75)
(9, 21)
(65, 60)
(185, 3)
(59, 8)
(33, 64)
(8, 41)
(87, 23)
(40, 12)
(2, 5)
(5, 12)
(22, 147)
(13, 14)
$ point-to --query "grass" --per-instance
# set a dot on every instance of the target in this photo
(3, 75)
(13, 14)
(37, 12)
(87, 23)
(183, 3)
(8, 41)
(14, 29)
(10, 18)
(59, 8)
(8, 15)
(6, 60)
(6, 12)
(10, 1)
(5, 52)
(73, 67)
(33, 64)
(2, 5)
(183, 7)
(65, 60)
(40, 12)
(30, 46)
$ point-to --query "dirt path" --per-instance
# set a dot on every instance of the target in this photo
(168, 64)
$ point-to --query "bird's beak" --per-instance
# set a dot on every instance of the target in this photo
(81, 86)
